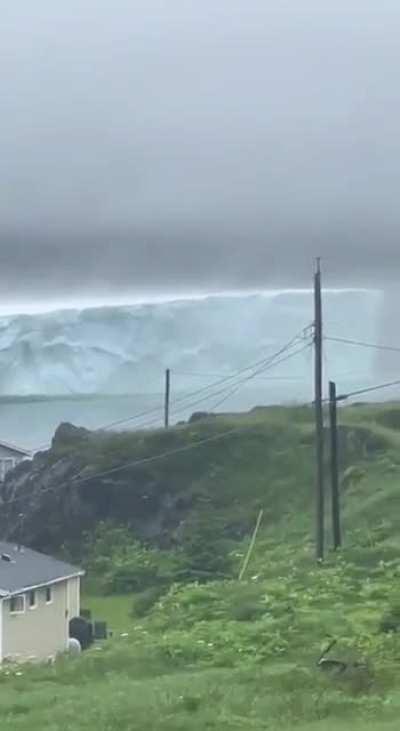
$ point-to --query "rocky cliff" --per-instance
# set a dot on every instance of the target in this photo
(162, 484)
(58, 496)
(219, 468)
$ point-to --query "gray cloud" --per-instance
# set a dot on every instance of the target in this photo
(178, 145)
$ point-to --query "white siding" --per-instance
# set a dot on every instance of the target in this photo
(9, 458)
(74, 600)
(40, 632)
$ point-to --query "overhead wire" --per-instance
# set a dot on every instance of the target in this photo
(362, 344)
(234, 390)
(256, 368)
(369, 389)
(265, 363)
(184, 401)
(259, 367)
(268, 363)
(78, 479)
(194, 374)
(163, 455)
(203, 389)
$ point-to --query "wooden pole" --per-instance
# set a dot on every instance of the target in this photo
(251, 546)
(319, 420)
(167, 395)
(336, 528)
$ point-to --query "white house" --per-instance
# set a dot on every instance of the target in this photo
(39, 595)
(10, 456)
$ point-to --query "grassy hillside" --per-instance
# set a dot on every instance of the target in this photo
(223, 654)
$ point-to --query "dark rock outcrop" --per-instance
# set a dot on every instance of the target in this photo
(200, 416)
(61, 494)
(69, 435)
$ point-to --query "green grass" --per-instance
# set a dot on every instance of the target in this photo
(227, 655)
(113, 609)
(191, 665)
(195, 663)
(114, 696)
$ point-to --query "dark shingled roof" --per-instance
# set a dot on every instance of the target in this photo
(29, 568)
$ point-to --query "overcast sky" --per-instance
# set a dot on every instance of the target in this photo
(196, 145)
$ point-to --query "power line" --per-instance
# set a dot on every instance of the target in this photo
(343, 397)
(203, 389)
(147, 412)
(301, 334)
(362, 344)
(163, 455)
(215, 375)
(272, 365)
(184, 400)
(136, 463)
(127, 419)
(266, 363)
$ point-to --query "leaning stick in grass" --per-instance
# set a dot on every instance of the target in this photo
(251, 546)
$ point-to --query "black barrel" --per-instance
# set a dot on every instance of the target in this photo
(81, 630)
(100, 630)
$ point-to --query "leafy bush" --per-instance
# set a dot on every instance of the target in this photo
(389, 418)
(247, 610)
(117, 563)
(144, 601)
(206, 548)
(390, 621)
(121, 565)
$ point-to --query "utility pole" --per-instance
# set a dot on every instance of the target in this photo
(336, 529)
(167, 394)
(319, 418)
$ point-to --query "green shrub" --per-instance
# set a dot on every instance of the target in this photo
(119, 564)
(247, 610)
(144, 601)
(207, 550)
(390, 621)
(389, 418)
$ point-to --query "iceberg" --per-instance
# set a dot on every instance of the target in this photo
(98, 364)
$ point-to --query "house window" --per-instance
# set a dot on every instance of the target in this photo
(9, 464)
(49, 595)
(17, 604)
(5, 466)
(32, 600)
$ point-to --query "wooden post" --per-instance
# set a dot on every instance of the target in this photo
(251, 546)
(336, 528)
(167, 395)
(319, 419)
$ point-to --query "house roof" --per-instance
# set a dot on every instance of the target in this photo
(22, 569)
(14, 448)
